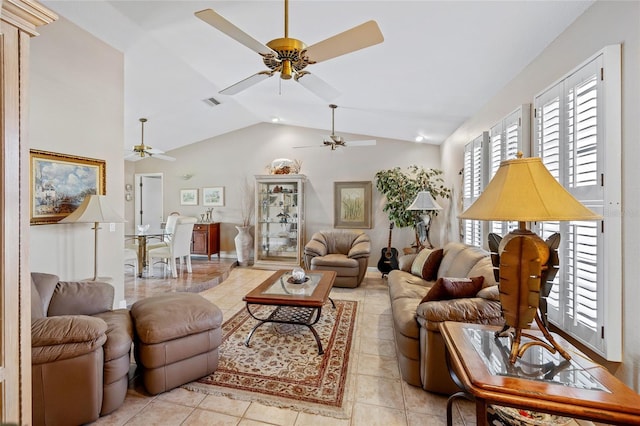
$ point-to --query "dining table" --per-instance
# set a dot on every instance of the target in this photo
(141, 243)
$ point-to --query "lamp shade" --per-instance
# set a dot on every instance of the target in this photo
(94, 208)
(424, 201)
(523, 190)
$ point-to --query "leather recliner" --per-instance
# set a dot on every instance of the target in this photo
(345, 252)
(80, 351)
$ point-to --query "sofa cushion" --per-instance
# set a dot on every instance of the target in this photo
(426, 264)
(454, 288)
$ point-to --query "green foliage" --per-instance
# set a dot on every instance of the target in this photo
(401, 187)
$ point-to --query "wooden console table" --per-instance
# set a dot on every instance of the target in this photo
(479, 363)
(206, 239)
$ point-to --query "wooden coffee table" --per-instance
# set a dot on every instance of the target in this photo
(579, 388)
(299, 304)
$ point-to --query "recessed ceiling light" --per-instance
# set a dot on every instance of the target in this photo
(419, 138)
(275, 119)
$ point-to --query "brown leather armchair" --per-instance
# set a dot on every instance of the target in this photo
(80, 350)
(345, 252)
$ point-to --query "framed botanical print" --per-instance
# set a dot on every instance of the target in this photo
(213, 196)
(60, 182)
(189, 197)
(352, 204)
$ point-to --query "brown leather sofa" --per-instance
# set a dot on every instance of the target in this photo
(80, 351)
(345, 252)
(420, 347)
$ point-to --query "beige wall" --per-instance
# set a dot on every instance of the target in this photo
(603, 24)
(228, 159)
(77, 107)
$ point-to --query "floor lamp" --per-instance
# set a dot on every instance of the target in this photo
(424, 202)
(523, 190)
(94, 209)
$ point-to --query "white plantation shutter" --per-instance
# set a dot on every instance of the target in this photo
(473, 184)
(508, 137)
(570, 121)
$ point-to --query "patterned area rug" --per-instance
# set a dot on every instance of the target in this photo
(282, 366)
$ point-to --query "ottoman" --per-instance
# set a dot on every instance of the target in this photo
(176, 339)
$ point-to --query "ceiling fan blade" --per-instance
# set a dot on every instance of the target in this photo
(132, 156)
(162, 157)
(316, 85)
(220, 23)
(364, 35)
(371, 142)
(246, 83)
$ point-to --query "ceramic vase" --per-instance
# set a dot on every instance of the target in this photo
(244, 243)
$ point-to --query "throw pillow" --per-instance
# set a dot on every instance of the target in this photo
(454, 288)
(426, 264)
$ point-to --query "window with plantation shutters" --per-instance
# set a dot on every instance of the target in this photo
(571, 121)
(473, 184)
(510, 135)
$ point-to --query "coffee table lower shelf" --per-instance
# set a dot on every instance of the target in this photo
(294, 315)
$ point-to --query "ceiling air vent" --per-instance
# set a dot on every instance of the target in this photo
(212, 101)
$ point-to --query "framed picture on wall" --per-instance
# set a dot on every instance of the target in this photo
(189, 197)
(352, 204)
(60, 182)
(213, 196)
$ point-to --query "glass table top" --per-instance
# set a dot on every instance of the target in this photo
(537, 363)
(285, 285)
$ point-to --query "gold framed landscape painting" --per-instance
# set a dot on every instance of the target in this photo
(352, 204)
(59, 183)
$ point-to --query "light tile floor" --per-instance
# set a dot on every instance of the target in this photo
(379, 397)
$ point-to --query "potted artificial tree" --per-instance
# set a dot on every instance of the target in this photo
(400, 187)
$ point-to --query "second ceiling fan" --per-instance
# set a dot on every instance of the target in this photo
(290, 56)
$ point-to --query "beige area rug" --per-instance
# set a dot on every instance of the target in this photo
(282, 366)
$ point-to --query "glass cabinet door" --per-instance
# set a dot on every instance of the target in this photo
(279, 228)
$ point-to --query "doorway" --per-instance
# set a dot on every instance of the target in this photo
(149, 201)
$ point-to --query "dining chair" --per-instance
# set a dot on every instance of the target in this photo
(179, 246)
(131, 258)
(168, 232)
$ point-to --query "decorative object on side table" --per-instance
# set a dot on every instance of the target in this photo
(401, 188)
(94, 209)
(60, 182)
(523, 190)
(423, 202)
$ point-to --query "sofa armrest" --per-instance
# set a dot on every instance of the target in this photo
(81, 298)
(62, 337)
(361, 247)
(469, 309)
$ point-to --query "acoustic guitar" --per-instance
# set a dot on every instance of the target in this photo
(389, 257)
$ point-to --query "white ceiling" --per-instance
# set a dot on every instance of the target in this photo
(439, 63)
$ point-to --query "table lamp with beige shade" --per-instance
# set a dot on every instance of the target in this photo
(94, 209)
(424, 202)
(523, 190)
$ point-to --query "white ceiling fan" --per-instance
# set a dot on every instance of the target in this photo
(335, 141)
(138, 152)
(290, 56)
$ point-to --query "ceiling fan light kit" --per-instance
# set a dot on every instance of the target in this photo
(290, 56)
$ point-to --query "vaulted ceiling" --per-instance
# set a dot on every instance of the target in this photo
(439, 63)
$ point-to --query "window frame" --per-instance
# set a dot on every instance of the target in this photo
(606, 339)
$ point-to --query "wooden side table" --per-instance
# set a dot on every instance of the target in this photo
(206, 239)
(540, 381)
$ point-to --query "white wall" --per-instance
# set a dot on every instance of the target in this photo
(606, 22)
(76, 107)
(226, 160)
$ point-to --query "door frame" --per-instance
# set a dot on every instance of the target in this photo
(136, 195)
